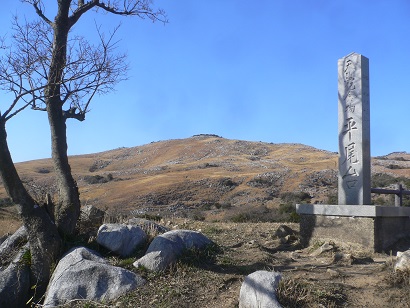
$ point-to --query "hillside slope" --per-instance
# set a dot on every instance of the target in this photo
(207, 173)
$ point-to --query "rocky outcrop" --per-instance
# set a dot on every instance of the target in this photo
(259, 290)
(83, 274)
(15, 281)
(12, 245)
(121, 239)
(92, 214)
(165, 249)
(402, 261)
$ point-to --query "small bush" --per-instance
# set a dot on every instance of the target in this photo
(294, 217)
(200, 257)
(383, 180)
(288, 213)
(332, 199)
(300, 293)
(228, 183)
(295, 197)
(379, 201)
(393, 166)
(399, 279)
(206, 206)
(98, 179)
(149, 217)
(241, 217)
(197, 215)
(43, 170)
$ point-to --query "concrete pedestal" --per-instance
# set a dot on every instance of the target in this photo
(372, 226)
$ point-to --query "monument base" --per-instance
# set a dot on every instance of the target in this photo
(372, 226)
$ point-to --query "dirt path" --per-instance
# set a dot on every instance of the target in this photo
(343, 276)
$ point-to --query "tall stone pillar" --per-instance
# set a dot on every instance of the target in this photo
(354, 130)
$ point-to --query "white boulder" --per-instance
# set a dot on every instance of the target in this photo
(15, 281)
(259, 290)
(83, 274)
(166, 248)
(402, 261)
(121, 239)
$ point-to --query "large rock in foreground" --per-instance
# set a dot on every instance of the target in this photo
(121, 239)
(83, 274)
(259, 290)
(166, 248)
(402, 261)
(11, 246)
(15, 281)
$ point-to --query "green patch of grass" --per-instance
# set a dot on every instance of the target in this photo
(200, 257)
(26, 258)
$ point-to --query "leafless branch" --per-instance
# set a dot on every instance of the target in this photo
(87, 69)
(39, 8)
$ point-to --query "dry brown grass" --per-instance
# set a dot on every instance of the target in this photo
(9, 221)
(191, 172)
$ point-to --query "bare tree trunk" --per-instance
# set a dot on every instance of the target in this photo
(45, 242)
(67, 209)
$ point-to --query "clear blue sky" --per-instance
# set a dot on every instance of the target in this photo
(261, 70)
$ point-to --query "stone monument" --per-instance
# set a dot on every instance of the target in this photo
(354, 130)
(354, 219)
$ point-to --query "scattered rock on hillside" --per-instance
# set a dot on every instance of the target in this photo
(325, 247)
(259, 290)
(121, 239)
(284, 231)
(83, 274)
(166, 248)
(90, 213)
(15, 281)
(403, 261)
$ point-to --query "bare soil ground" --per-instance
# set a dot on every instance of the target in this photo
(359, 279)
(345, 276)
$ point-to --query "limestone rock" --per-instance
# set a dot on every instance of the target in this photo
(259, 290)
(402, 261)
(332, 273)
(325, 247)
(284, 231)
(15, 281)
(3, 238)
(121, 239)
(12, 245)
(92, 214)
(83, 274)
(166, 248)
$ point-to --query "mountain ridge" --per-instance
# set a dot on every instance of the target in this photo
(219, 177)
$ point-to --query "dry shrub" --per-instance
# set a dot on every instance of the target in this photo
(399, 279)
(295, 293)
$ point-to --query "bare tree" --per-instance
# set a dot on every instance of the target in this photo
(47, 68)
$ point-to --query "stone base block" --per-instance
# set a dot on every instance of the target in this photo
(374, 227)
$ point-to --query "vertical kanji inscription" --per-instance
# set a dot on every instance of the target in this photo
(354, 130)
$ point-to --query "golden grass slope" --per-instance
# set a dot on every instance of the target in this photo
(203, 169)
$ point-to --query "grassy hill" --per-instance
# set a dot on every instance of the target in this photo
(207, 177)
